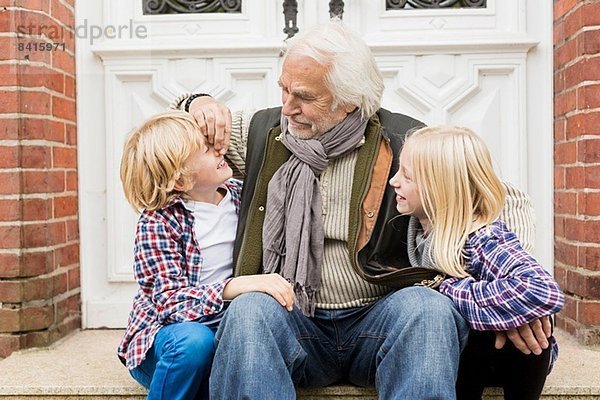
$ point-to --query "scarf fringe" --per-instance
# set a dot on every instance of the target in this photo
(305, 299)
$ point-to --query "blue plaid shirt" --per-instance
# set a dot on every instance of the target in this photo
(507, 287)
(167, 267)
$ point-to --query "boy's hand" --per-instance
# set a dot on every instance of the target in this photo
(214, 119)
(272, 284)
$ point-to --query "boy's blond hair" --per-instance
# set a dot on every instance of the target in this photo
(154, 156)
(459, 189)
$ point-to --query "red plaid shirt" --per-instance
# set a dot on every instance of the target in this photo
(167, 265)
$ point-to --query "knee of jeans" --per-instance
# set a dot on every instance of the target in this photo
(426, 303)
(194, 346)
(254, 307)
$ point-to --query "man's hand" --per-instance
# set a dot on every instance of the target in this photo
(528, 338)
(271, 284)
(214, 119)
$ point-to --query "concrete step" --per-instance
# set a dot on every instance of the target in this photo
(84, 366)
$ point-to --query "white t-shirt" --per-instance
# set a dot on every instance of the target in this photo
(215, 227)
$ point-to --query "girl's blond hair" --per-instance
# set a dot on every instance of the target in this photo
(154, 156)
(458, 187)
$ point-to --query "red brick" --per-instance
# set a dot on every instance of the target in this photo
(565, 253)
(592, 176)
(43, 181)
(62, 13)
(57, 232)
(9, 101)
(61, 283)
(40, 5)
(589, 203)
(8, 75)
(575, 177)
(589, 312)
(565, 153)
(43, 234)
(9, 128)
(64, 157)
(38, 288)
(10, 210)
(10, 292)
(69, 86)
(8, 345)
(9, 320)
(565, 203)
(586, 285)
(63, 61)
(10, 237)
(65, 206)
(589, 42)
(34, 318)
(565, 102)
(590, 14)
(588, 151)
(35, 156)
(583, 70)
(588, 96)
(71, 181)
(572, 23)
(36, 263)
(11, 182)
(559, 81)
(560, 274)
(74, 278)
(559, 226)
(570, 308)
(71, 134)
(35, 76)
(72, 230)
(562, 7)
(9, 265)
(9, 156)
(67, 255)
(35, 103)
(63, 108)
(560, 127)
(590, 257)
(8, 48)
(35, 128)
(583, 124)
(37, 209)
(565, 53)
(559, 178)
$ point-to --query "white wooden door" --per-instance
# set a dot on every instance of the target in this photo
(487, 69)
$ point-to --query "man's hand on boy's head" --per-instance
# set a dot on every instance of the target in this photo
(528, 338)
(214, 119)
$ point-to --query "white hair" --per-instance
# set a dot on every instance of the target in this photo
(353, 77)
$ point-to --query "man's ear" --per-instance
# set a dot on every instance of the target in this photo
(349, 108)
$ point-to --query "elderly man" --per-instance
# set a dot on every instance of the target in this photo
(316, 208)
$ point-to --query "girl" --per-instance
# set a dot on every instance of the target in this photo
(183, 256)
(447, 184)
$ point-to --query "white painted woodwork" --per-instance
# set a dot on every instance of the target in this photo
(486, 69)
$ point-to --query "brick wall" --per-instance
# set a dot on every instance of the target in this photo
(39, 238)
(577, 164)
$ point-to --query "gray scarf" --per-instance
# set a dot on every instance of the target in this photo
(293, 235)
(418, 245)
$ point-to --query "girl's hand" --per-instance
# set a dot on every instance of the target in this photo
(272, 284)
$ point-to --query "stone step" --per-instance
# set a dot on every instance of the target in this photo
(84, 366)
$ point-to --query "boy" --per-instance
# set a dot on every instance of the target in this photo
(182, 256)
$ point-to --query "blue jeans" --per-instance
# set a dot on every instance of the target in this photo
(178, 363)
(407, 345)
